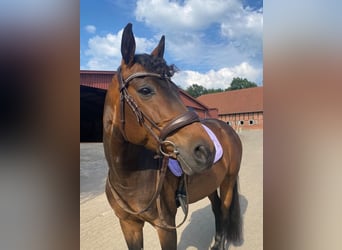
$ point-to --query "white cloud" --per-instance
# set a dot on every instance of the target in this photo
(217, 79)
(191, 26)
(243, 22)
(104, 52)
(244, 29)
(192, 14)
(219, 37)
(90, 29)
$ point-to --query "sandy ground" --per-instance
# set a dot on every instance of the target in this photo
(100, 229)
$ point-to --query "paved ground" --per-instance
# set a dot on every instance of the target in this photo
(100, 228)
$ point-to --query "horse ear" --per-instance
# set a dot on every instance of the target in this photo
(128, 44)
(159, 50)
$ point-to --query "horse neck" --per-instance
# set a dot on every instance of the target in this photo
(131, 162)
(126, 161)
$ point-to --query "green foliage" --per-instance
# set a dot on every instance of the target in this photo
(196, 90)
(209, 91)
(239, 83)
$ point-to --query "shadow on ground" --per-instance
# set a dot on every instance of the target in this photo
(200, 232)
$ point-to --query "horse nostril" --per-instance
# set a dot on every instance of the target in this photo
(202, 154)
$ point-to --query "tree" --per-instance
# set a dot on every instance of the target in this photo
(196, 90)
(239, 83)
(209, 91)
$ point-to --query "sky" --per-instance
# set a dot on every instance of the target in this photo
(210, 41)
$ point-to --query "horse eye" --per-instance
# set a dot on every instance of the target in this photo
(145, 91)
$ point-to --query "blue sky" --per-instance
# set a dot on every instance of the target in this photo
(210, 41)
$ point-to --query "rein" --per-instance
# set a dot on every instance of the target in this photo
(178, 122)
(155, 198)
(124, 205)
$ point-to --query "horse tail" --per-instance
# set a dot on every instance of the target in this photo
(234, 220)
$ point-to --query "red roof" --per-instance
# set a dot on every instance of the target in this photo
(188, 100)
(102, 79)
(236, 101)
(96, 79)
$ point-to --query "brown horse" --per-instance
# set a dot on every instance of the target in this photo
(146, 125)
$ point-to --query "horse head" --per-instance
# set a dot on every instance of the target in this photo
(143, 107)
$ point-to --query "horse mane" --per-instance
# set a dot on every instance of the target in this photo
(155, 65)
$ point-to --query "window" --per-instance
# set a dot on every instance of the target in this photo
(229, 123)
(252, 122)
(239, 122)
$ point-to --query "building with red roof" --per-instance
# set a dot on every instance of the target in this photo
(93, 88)
(242, 109)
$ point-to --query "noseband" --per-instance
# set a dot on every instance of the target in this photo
(178, 122)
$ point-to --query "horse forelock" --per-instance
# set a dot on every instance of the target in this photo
(155, 65)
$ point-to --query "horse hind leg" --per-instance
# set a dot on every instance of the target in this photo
(230, 209)
(216, 208)
(133, 233)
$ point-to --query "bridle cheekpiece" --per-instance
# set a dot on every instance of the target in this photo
(178, 122)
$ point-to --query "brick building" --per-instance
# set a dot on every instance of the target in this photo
(242, 109)
(93, 88)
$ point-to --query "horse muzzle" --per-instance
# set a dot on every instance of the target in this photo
(194, 153)
(197, 158)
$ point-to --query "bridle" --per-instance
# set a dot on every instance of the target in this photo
(178, 122)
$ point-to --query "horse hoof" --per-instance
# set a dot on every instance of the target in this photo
(215, 247)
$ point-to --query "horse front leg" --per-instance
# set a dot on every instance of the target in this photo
(167, 238)
(165, 222)
(133, 233)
